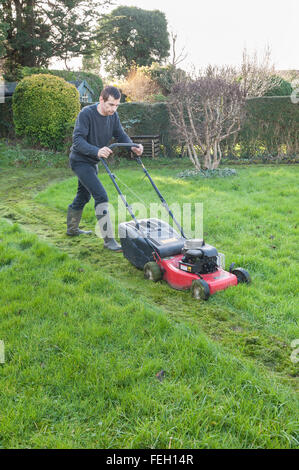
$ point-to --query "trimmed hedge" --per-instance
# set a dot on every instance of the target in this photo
(270, 129)
(44, 107)
(147, 119)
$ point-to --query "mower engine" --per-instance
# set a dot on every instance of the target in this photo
(200, 258)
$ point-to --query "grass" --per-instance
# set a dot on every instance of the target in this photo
(82, 357)
(252, 218)
(85, 335)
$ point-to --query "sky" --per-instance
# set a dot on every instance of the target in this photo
(217, 31)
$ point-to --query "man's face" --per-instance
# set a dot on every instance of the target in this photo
(107, 108)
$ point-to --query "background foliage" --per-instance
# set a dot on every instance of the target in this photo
(132, 36)
(92, 79)
(270, 129)
(147, 119)
(36, 30)
(43, 108)
(283, 88)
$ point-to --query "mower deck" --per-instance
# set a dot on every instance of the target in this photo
(182, 280)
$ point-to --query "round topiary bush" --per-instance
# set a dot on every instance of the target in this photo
(44, 107)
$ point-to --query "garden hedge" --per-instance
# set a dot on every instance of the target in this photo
(44, 107)
(271, 127)
(147, 119)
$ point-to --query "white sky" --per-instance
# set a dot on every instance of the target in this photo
(216, 31)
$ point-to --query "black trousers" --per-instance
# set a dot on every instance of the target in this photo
(88, 185)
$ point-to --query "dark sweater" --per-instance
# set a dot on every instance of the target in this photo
(94, 131)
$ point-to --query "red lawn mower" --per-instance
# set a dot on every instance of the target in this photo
(164, 254)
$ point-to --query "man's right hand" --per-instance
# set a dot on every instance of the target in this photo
(104, 152)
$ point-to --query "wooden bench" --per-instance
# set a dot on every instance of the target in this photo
(151, 144)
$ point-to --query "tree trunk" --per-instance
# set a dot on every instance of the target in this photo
(207, 159)
(196, 160)
(217, 154)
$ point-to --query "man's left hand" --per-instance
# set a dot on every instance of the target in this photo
(138, 150)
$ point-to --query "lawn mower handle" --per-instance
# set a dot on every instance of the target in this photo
(122, 145)
(112, 176)
(138, 159)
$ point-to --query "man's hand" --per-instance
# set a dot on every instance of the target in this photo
(138, 150)
(104, 152)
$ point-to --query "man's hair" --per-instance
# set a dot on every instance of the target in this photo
(110, 91)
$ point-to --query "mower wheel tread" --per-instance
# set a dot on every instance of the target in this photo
(200, 289)
(152, 271)
(242, 275)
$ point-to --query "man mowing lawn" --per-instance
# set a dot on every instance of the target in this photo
(94, 128)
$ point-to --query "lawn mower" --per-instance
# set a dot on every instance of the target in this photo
(164, 254)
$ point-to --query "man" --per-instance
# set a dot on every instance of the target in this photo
(94, 128)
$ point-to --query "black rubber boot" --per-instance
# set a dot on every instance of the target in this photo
(73, 220)
(105, 226)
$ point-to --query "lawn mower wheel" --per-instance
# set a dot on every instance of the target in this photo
(200, 289)
(242, 275)
(152, 271)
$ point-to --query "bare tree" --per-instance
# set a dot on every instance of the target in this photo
(177, 56)
(208, 107)
(204, 111)
(256, 76)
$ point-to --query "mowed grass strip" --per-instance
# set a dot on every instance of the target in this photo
(252, 218)
(89, 365)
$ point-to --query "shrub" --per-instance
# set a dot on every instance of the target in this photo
(165, 76)
(283, 88)
(139, 87)
(44, 106)
(95, 82)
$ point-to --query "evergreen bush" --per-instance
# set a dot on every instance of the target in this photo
(93, 80)
(284, 88)
(44, 106)
(270, 130)
(164, 76)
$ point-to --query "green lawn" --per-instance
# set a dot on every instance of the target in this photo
(85, 334)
